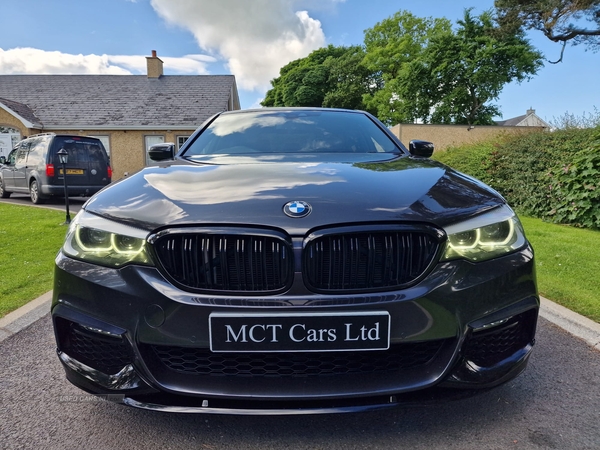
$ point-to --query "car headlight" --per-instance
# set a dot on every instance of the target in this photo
(485, 237)
(101, 241)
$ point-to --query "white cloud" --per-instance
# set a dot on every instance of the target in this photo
(36, 61)
(256, 37)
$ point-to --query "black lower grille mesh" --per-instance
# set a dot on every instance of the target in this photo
(488, 347)
(224, 262)
(104, 353)
(204, 362)
(368, 260)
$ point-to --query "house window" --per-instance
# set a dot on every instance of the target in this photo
(181, 140)
(105, 142)
(150, 141)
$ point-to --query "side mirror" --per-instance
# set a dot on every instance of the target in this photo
(421, 148)
(2, 159)
(162, 152)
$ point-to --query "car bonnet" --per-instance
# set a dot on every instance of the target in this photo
(403, 189)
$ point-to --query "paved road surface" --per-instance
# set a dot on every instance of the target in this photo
(555, 404)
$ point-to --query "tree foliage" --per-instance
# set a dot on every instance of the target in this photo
(349, 80)
(390, 46)
(561, 21)
(413, 68)
(460, 72)
(330, 77)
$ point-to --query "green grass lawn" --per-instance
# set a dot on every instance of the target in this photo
(568, 265)
(567, 259)
(29, 241)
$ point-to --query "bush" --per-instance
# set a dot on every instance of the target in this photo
(549, 175)
(473, 159)
(576, 190)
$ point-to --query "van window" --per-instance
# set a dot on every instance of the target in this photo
(11, 157)
(81, 150)
(36, 152)
(21, 156)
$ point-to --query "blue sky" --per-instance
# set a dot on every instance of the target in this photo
(251, 39)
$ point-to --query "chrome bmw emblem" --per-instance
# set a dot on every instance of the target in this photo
(297, 209)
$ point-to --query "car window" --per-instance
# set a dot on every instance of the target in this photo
(291, 132)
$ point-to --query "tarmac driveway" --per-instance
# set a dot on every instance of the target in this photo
(554, 404)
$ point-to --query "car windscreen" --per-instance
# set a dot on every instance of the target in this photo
(291, 132)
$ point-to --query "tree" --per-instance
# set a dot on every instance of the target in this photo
(460, 72)
(561, 21)
(330, 76)
(413, 68)
(349, 80)
(390, 46)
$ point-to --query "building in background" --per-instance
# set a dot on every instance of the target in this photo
(529, 119)
(128, 113)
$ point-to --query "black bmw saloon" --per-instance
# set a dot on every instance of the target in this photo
(293, 261)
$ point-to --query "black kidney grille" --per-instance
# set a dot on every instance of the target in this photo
(198, 361)
(368, 261)
(223, 262)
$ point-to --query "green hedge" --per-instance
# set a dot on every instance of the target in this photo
(550, 175)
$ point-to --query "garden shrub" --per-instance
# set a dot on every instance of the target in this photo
(575, 189)
(472, 159)
(549, 175)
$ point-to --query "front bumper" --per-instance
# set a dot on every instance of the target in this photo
(130, 333)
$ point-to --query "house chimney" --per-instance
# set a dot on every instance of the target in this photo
(154, 65)
(530, 111)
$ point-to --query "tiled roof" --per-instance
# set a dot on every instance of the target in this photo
(531, 119)
(120, 100)
(22, 110)
(511, 122)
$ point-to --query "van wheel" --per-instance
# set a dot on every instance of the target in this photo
(34, 193)
(3, 193)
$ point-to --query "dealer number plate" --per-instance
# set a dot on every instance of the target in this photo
(305, 332)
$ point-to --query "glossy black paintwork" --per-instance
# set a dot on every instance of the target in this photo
(453, 298)
(210, 192)
(341, 190)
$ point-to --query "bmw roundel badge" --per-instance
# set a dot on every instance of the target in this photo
(297, 209)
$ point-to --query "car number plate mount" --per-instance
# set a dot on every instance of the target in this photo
(299, 332)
